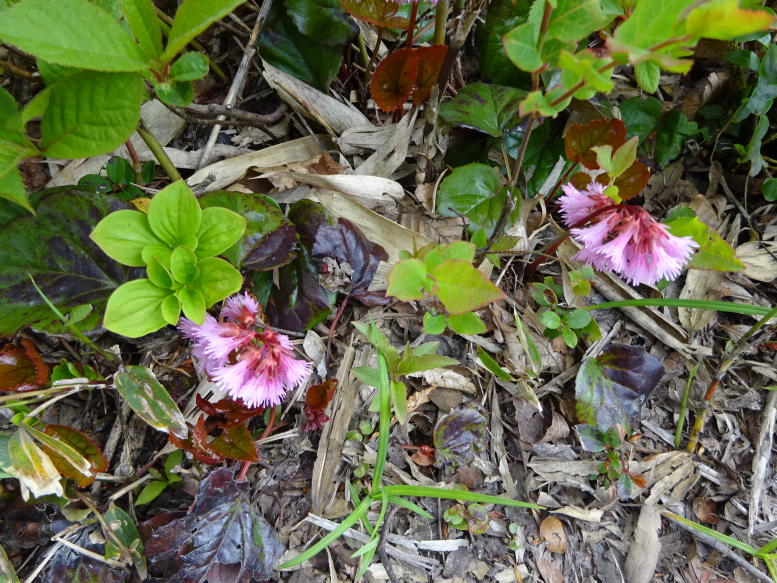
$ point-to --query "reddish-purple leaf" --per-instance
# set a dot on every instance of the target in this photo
(299, 302)
(579, 140)
(394, 79)
(430, 61)
(458, 435)
(235, 443)
(22, 368)
(316, 400)
(72, 566)
(608, 388)
(223, 537)
(382, 13)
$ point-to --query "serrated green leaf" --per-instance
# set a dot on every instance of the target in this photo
(520, 43)
(72, 33)
(91, 113)
(135, 309)
(468, 323)
(217, 280)
(12, 188)
(140, 389)
(193, 17)
(640, 116)
(462, 288)
(651, 22)
(492, 109)
(407, 280)
(142, 20)
(573, 20)
(123, 235)
(175, 215)
(435, 255)
(220, 228)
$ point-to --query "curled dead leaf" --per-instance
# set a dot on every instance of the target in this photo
(552, 532)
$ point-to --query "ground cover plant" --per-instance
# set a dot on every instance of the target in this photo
(387, 290)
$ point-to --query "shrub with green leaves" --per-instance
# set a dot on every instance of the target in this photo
(177, 242)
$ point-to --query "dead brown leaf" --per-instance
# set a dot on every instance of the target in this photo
(552, 532)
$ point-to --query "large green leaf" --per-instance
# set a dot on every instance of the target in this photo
(309, 59)
(175, 215)
(140, 389)
(135, 309)
(713, 253)
(462, 288)
(54, 247)
(123, 235)
(573, 20)
(492, 109)
(521, 43)
(725, 20)
(217, 280)
(269, 239)
(142, 20)
(75, 33)
(192, 17)
(502, 16)
(474, 191)
(91, 113)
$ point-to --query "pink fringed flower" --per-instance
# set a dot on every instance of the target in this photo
(257, 367)
(623, 238)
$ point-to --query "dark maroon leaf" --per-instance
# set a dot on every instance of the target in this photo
(269, 240)
(458, 435)
(608, 388)
(54, 247)
(307, 216)
(346, 244)
(299, 302)
(68, 565)
(223, 538)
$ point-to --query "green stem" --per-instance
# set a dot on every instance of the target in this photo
(730, 307)
(159, 153)
(678, 432)
(440, 22)
(384, 424)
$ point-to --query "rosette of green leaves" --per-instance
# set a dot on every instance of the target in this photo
(176, 242)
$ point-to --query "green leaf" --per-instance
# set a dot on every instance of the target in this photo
(52, 73)
(462, 288)
(171, 309)
(501, 17)
(713, 253)
(192, 304)
(521, 43)
(624, 157)
(219, 230)
(72, 463)
(178, 93)
(407, 280)
(135, 309)
(309, 59)
(434, 324)
(321, 19)
(492, 109)
(474, 191)
(469, 323)
(769, 189)
(724, 20)
(671, 134)
(123, 235)
(217, 280)
(462, 250)
(123, 529)
(752, 151)
(410, 362)
(91, 113)
(32, 467)
(72, 33)
(8, 573)
(140, 389)
(640, 116)
(150, 491)
(192, 17)
(158, 274)
(188, 67)
(368, 375)
(12, 188)
(493, 365)
(578, 319)
(544, 103)
(529, 347)
(142, 20)
(120, 171)
(183, 264)
(584, 66)
(573, 20)
(648, 75)
(550, 319)
(175, 215)
(399, 399)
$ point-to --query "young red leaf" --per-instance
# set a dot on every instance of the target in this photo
(381, 13)
(22, 368)
(430, 61)
(394, 79)
(579, 140)
(235, 443)
(84, 445)
(316, 400)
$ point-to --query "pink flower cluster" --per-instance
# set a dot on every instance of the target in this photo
(622, 238)
(257, 367)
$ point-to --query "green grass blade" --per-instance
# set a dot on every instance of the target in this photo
(731, 307)
(356, 499)
(678, 433)
(432, 492)
(713, 533)
(412, 506)
(384, 425)
(349, 521)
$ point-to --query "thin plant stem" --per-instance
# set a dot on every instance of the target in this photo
(411, 24)
(363, 51)
(440, 22)
(374, 54)
(159, 153)
(678, 432)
